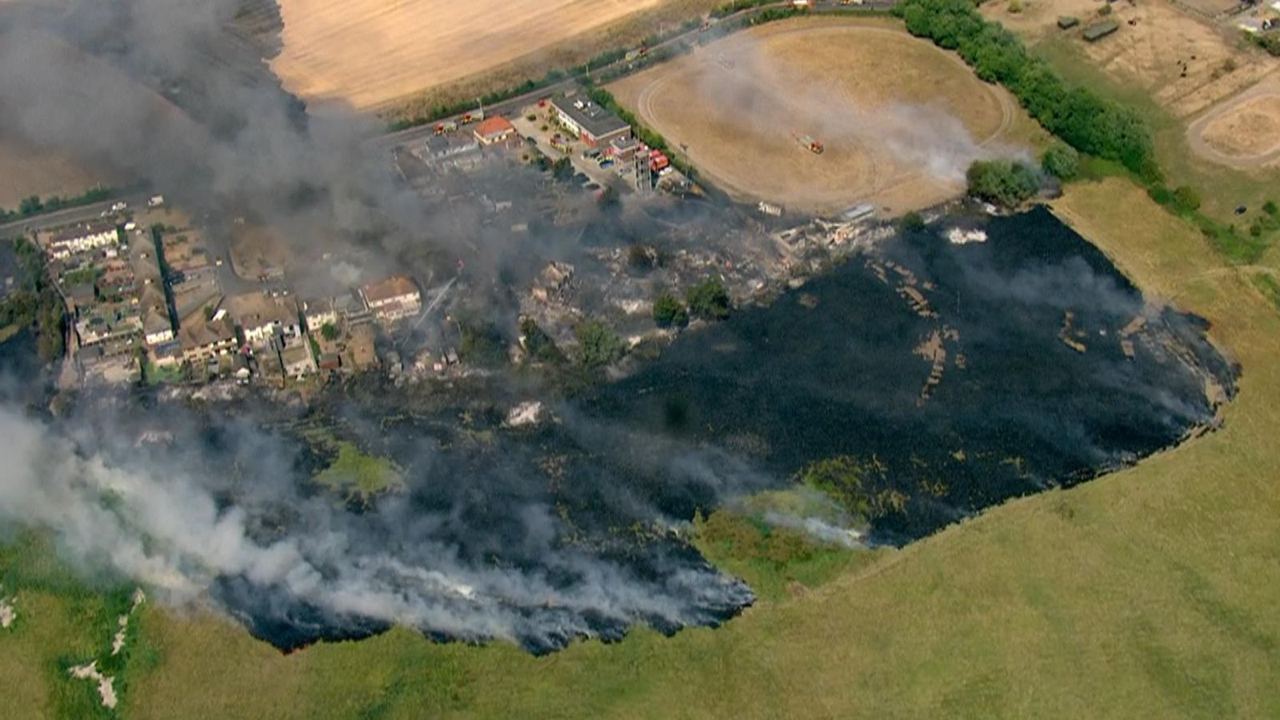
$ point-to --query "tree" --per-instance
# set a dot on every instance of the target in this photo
(708, 300)
(1061, 161)
(329, 332)
(1269, 207)
(668, 311)
(1003, 182)
(599, 345)
(562, 169)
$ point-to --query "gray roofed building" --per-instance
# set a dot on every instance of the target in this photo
(594, 123)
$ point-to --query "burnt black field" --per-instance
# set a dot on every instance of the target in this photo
(570, 527)
(830, 370)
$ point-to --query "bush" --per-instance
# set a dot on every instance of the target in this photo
(1003, 182)
(1186, 199)
(668, 311)
(709, 300)
(329, 332)
(911, 222)
(562, 169)
(1061, 161)
(600, 346)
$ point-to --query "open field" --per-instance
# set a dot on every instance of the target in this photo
(370, 52)
(28, 172)
(1183, 61)
(1223, 183)
(1147, 593)
(899, 118)
(1244, 131)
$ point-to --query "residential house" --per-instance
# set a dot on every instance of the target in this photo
(494, 130)
(202, 339)
(318, 313)
(62, 244)
(297, 360)
(393, 298)
(262, 317)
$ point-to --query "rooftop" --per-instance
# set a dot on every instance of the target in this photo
(592, 117)
(197, 332)
(255, 309)
(496, 125)
(392, 287)
(81, 230)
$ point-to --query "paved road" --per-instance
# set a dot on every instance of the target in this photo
(83, 213)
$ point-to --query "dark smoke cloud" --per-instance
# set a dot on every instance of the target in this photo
(160, 91)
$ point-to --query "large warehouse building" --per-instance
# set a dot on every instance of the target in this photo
(596, 125)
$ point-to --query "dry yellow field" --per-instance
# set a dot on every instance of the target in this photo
(1244, 131)
(1250, 130)
(900, 119)
(371, 52)
(27, 172)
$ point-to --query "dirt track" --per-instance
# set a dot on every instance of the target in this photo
(1243, 132)
(900, 119)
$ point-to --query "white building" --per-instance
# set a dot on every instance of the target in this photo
(156, 325)
(80, 239)
(392, 299)
(318, 313)
(262, 317)
(297, 360)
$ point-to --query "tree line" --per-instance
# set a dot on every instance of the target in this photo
(35, 205)
(1082, 119)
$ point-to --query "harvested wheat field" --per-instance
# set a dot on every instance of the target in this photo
(370, 52)
(1244, 132)
(899, 119)
(30, 172)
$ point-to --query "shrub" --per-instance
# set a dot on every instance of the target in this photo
(668, 311)
(1003, 182)
(1061, 161)
(709, 300)
(1186, 199)
(911, 222)
(600, 346)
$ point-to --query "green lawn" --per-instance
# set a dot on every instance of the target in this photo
(357, 476)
